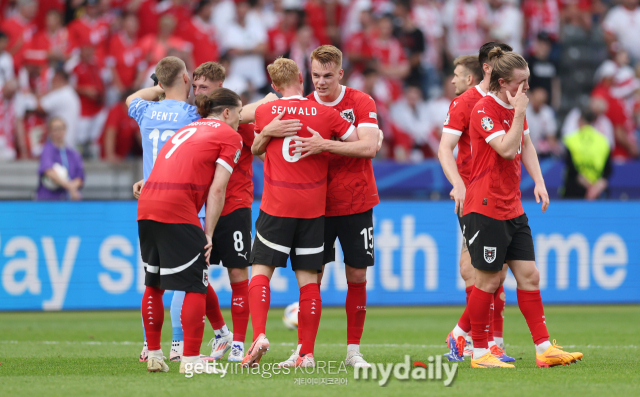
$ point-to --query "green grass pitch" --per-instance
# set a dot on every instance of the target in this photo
(96, 354)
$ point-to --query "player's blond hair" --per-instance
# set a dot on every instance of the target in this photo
(211, 71)
(283, 72)
(327, 55)
(504, 63)
(169, 69)
(471, 63)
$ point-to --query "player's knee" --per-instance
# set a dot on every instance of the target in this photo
(237, 275)
(467, 272)
(534, 278)
(356, 275)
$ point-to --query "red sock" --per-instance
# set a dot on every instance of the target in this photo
(259, 301)
(356, 307)
(309, 316)
(464, 321)
(479, 311)
(240, 309)
(299, 334)
(153, 316)
(192, 318)
(498, 311)
(530, 303)
(491, 311)
(213, 309)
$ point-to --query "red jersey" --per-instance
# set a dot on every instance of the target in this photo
(494, 188)
(457, 123)
(295, 187)
(127, 130)
(125, 55)
(87, 75)
(38, 50)
(351, 185)
(94, 31)
(240, 187)
(184, 169)
(20, 32)
(44, 6)
(203, 38)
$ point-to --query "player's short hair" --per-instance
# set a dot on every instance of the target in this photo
(326, 55)
(504, 63)
(169, 69)
(483, 54)
(470, 62)
(283, 72)
(211, 71)
(216, 102)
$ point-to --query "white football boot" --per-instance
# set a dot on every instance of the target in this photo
(237, 352)
(177, 348)
(355, 359)
(155, 362)
(205, 368)
(291, 361)
(221, 345)
(306, 362)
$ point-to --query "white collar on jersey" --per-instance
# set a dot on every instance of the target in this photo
(294, 97)
(211, 118)
(334, 103)
(504, 105)
(480, 90)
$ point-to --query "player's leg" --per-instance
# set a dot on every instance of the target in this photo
(356, 238)
(458, 340)
(499, 302)
(152, 308)
(177, 343)
(521, 260)
(259, 303)
(239, 310)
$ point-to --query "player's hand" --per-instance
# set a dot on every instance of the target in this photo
(309, 146)
(540, 193)
(270, 97)
(279, 128)
(520, 100)
(207, 249)
(137, 188)
(457, 194)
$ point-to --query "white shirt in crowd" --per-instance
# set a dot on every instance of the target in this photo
(542, 124)
(64, 103)
(415, 122)
(6, 68)
(602, 124)
(625, 25)
(506, 26)
(428, 19)
(250, 67)
(462, 20)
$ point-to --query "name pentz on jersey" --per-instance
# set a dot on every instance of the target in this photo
(167, 116)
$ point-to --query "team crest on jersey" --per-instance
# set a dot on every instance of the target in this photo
(348, 115)
(205, 278)
(487, 123)
(489, 254)
(236, 158)
(446, 121)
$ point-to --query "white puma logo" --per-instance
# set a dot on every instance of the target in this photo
(238, 304)
(481, 111)
(455, 104)
(243, 255)
(368, 252)
(507, 123)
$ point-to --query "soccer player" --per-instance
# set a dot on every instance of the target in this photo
(194, 167)
(291, 220)
(495, 226)
(158, 122)
(456, 132)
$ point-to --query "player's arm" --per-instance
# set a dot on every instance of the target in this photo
(277, 128)
(137, 188)
(215, 202)
(362, 144)
(448, 143)
(147, 94)
(507, 145)
(531, 163)
(249, 111)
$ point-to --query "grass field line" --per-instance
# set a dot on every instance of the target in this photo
(289, 344)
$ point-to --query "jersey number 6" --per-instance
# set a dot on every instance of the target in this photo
(285, 149)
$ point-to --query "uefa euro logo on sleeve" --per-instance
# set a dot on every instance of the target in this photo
(489, 254)
(487, 123)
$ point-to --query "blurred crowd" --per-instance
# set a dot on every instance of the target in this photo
(76, 60)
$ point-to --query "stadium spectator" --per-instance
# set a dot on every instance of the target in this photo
(8, 121)
(464, 23)
(544, 71)
(317, 19)
(125, 58)
(411, 115)
(120, 137)
(412, 40)
(300, 52)
(281, 36)
(7, 71)
(541, 16)
(224, 13)
(61, 171)
(391, 58)
(90, 88)
(505, 24)
(148, 13)
(50, 45)
(62, 102)
(542, 124)
(20, 29)
(588, 161)
(358, 45)
(201, 34)
(157, 46)
(247, 46)
(46, 6)
(91, 28)
(439, 107)
(602, 123)
(426, 15)
(621, 28)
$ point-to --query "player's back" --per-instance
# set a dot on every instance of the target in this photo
(158, 122)
(296, 187)
(457, 123)
(179, 183)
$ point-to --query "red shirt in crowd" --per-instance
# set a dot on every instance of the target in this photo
(43, 43)
(202, 36)
(296, 187)
(240, 187)
(351, 184)
(20, 32)
(87, 75)
(494, 188)
(44, 6)
(617, 114)
(126, 56)
(184, 169)
(127, 131)
(94, 31)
